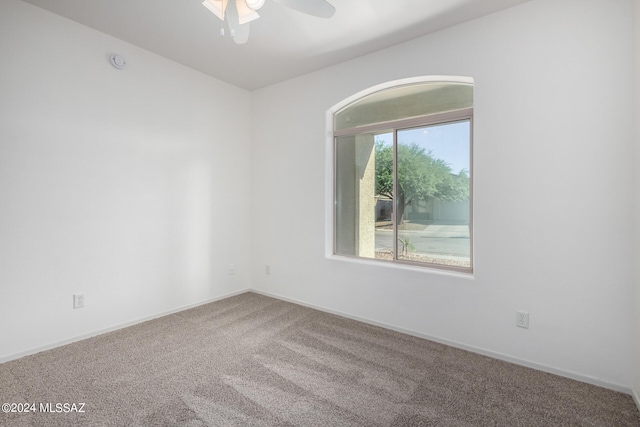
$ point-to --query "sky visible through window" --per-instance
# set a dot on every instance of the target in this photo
(449, 142)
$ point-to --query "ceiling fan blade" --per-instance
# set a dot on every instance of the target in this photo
(319, 8)
(239, 32)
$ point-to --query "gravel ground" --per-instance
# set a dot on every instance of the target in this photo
(425, 258)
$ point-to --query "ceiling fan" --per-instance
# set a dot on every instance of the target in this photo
(239, 13)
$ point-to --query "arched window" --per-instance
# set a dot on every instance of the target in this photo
(402, 173)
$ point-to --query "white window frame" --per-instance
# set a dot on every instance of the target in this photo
(330, 173)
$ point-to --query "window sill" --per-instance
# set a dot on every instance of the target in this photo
(469, 275)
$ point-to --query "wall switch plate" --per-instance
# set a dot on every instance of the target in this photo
(522, 319)
(78, 300)
(267, 269)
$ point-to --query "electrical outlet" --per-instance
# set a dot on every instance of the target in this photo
(232, 269)
(522, 319)
(78, 300)
(267, 269)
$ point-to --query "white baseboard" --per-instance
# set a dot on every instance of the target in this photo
(473, 349)
(115, 327)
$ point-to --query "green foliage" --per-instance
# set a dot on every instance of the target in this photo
(420, 175)
(384, 170)
(407, 245)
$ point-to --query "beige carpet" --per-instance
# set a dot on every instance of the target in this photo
(251, 360)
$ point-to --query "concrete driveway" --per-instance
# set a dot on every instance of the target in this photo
(435, 239)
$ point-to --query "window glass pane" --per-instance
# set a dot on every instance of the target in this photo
(360, 210)
(433, 209)
(405, 102)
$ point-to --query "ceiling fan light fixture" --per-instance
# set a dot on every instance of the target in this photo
(245, 13)
(254, 4)
(237, 14)
(219, 7)
(216, 6)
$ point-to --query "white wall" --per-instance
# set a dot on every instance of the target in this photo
(636, 28)
(553, 128)
(131, 186)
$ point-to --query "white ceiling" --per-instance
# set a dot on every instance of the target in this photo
(283, 43)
